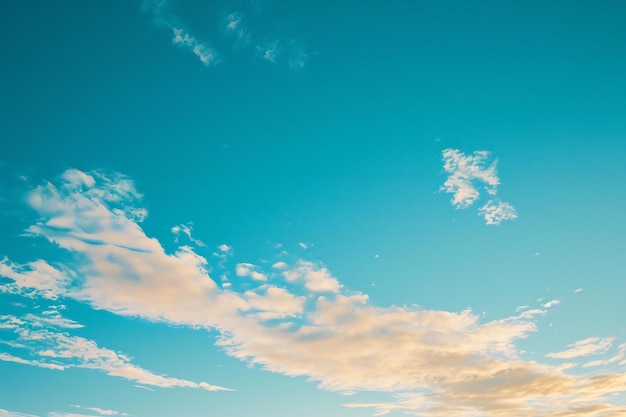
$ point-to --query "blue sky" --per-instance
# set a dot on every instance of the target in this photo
(351, 208)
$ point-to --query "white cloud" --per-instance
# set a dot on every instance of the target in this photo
(187, 230)
(590, 346)
(206, 54)
(464, 171)
(101, 411)
(496, 212)
(269, 51)
(552, 303)
(58, 350)
(317, 277)
(620, 357)
(466, 174)
(233, 21)
(249, 270)
(279, 265)
(275, 303)
(33, 279)
(10, 358)
(7, 413)
(578, 290)
(225, 248)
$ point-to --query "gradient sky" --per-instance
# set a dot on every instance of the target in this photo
(343, 209)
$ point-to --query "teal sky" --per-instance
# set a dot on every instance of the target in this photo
(272, 208)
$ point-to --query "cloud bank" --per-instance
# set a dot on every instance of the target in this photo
(297, 321)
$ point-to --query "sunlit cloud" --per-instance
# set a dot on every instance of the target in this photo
(590, 346)
(299, 321)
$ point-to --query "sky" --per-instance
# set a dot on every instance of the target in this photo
(348, 209)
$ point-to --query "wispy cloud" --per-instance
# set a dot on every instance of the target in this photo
(206, 54)
(467, 175)
(7, 413)
(58, 350)
(590, 346)
(618, 359)
(305, 323)
(162, 16)
(237, 24)
(187, 230)
(101, 411)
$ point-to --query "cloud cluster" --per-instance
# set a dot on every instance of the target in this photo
(235, 25)
(298, 321)
(466, 174)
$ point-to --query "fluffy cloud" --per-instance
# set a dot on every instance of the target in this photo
(496, 212)
(466, 174)
(465, 171)
(249, 270)
(317, 278)
(275, 303)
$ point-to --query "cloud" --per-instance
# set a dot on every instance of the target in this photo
(496, 212)
(10, 358)
(101, 411)
(551, 304)
(249, 270)
(6, 413)
(236, 24)
(432, 363)
(590, 346)
(620, 357)
(59, 350)
(225, 248)
(466, 174)
(186, 229)
(206, 54)
(269, 51)
(34, 279)
(465, 171)
(162, 16)
(578, 290)
(279, 265)
(317, 277)
(275, 303)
